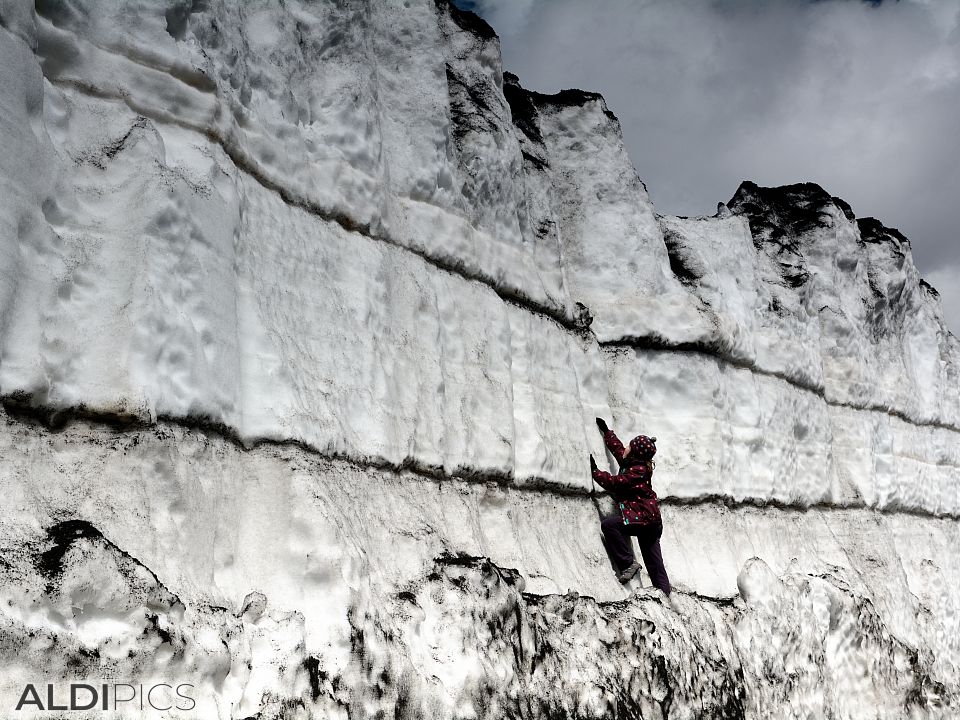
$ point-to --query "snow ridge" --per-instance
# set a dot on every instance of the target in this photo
(306, 314)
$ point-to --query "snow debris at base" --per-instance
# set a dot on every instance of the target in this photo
(306, 313)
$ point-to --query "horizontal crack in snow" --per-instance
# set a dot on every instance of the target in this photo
(704, 349)
(513, 296)
(19, 409)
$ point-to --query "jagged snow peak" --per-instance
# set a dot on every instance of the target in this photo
(306, 312)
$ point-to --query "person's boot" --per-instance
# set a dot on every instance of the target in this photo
(627, 574)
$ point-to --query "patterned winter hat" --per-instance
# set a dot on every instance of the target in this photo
(643, 447)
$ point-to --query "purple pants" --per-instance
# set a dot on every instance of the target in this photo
(617, 535)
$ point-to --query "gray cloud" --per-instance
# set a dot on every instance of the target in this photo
(862, 98)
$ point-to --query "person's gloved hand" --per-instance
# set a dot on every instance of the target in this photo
(593, 464)
(602, 425)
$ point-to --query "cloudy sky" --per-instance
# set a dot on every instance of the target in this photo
(860, 97)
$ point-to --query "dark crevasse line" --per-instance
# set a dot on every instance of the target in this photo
(712, 351)
(651, 343)
(512, 296)
(19, 409)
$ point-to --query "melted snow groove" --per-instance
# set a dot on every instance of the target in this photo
(704, 349)
(512, 296)
(16, 409)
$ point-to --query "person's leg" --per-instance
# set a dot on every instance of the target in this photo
(618, 542)
(649, 542)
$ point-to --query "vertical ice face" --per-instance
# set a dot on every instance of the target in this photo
(30, 251)
(306, 313)
(882, 342)
(586, 195)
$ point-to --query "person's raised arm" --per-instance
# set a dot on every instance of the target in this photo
(610, 439)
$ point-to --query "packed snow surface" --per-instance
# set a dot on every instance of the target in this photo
(306, 313)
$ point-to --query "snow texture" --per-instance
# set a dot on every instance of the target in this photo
(306, 313)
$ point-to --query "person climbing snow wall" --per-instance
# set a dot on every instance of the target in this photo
(639, 511)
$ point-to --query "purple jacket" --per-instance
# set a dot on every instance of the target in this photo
(631, 488)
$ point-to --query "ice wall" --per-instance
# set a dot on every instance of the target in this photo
(306, 311)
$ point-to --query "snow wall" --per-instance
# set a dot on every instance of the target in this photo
(306, 313)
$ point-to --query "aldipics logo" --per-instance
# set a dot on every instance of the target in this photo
(107, 696)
